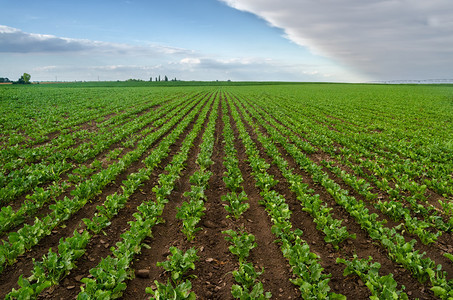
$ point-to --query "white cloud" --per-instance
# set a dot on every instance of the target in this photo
(13, 40)
(202, 68)
(387, 39)
(190, 60)
(45, 69)
(48, 57)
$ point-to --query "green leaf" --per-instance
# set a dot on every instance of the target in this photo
(439, 291)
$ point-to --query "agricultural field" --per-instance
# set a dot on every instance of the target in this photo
(250, 191)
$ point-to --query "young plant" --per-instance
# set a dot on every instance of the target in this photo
(238, 204)
(190, 213)
(167, 291)
(381, 287)
(242, 243)
(200, 177)
(250, 287)
(179, 263)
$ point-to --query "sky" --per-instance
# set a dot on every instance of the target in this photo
(260, 40)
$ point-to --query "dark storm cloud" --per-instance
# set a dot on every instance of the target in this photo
(390, 39)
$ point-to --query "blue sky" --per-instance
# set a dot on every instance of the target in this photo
(286, 40)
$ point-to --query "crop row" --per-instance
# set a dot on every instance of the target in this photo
(401, 251)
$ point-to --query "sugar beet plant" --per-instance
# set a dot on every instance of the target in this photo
(30, 235)
(191, 211)
(312, 284)
(236, 198)
(247, 278)
(381, 287)
(379, 156)
(111, 208)
(177, 265)
(401, 251)
(109, 276)
(331, 227)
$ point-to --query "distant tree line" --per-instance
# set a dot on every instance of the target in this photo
(3, 80)
(165, 78)
(157, 78)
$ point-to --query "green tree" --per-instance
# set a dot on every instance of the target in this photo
(24, 79)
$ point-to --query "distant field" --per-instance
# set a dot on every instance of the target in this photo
(297, 191)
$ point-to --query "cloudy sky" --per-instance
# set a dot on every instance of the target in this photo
(285, 40)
